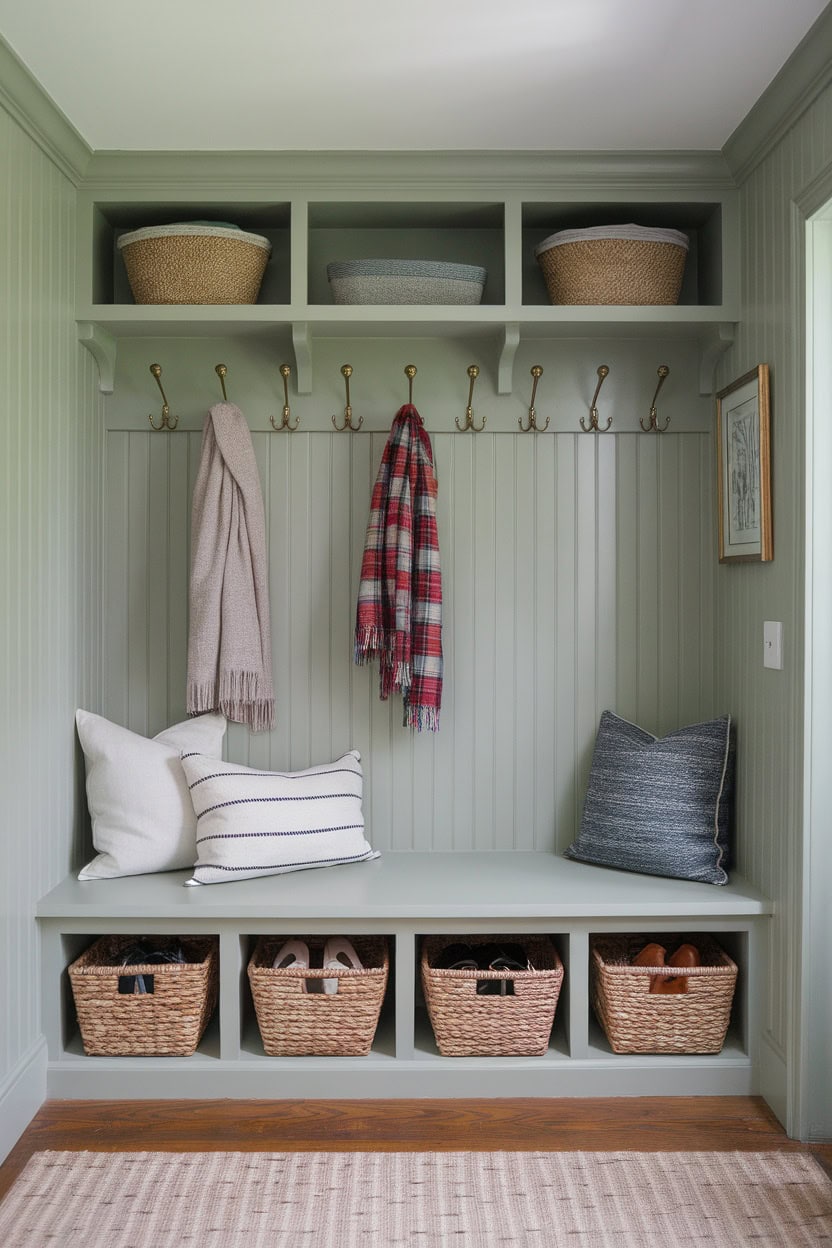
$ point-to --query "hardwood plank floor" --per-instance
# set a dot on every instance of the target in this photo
(645, 1124)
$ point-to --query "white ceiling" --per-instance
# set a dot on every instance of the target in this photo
(381, 74)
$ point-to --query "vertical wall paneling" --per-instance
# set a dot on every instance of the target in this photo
(50, 629)
(574, 572)
(768, 704)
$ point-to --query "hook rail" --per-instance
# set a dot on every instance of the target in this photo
(537, 373)
(653, 426)
(167, 421)
(285, 373)
(594, 426)
(346, 373)
(473, 373)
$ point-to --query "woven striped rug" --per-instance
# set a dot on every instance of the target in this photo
(358, 1200)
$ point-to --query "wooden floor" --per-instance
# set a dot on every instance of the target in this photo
(646, 1124)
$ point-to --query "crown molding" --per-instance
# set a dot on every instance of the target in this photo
(28, 104)
(805, 75)
(280, 173)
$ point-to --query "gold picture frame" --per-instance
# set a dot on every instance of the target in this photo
(743, 415)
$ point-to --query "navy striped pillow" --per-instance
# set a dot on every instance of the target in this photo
(660, 805)
(251, 823)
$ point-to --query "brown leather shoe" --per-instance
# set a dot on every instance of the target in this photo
(685, 955)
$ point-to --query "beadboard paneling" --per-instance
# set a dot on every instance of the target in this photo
(50, 492)
(578, 575)
(769, 704)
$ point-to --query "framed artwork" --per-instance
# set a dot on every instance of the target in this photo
(744, 469)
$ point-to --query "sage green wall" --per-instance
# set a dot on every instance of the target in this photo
(49, 571)
(769, 704)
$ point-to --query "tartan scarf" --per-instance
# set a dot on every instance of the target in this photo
(399, 613)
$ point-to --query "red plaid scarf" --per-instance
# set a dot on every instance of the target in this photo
(399, 615)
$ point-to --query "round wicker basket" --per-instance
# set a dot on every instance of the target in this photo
(627, 264)
(194, 264)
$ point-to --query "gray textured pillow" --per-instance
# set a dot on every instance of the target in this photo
(659, 805)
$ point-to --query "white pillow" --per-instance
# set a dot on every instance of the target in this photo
(253, 823)
(142, 817)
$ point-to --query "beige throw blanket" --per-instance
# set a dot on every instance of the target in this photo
(229, 641)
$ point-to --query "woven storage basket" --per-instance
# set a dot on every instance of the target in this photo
(468, 1024)
(638, 1021)
(294, 1022)
(612, 264)
(168, 1022)
(194, 264)
(405, 281)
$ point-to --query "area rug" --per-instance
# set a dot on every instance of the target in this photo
(358, 1200)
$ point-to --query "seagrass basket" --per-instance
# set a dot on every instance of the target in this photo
(468, 1024)
(627, 264)
(295, 1022)
(194, 264)
(638, 1021)
(165, 1022)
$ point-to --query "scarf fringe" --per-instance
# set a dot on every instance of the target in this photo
(421, 718)
(237, 695)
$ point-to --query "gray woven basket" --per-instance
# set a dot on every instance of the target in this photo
(168, 1022)
(638, 1021)
(294, 1022)
(405, 282)
(626, 264)
(194, 264)
(467, 1023)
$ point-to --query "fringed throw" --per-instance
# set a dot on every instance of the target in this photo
(399, 615)
(229, 640)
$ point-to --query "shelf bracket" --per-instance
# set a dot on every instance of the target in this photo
(508, 350)
(103, 348)
(302, 346)
(713, 348)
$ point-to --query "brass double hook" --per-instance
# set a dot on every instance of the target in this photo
(537, 373)
(653, 425)
(473, 373)
(285, 373)
(346, 373)
(167, 421)
(594, 426)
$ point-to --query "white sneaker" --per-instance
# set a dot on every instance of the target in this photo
(293, 953)
(338, 955)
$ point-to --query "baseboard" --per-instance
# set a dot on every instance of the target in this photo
(21, 1095)
(773, 1078)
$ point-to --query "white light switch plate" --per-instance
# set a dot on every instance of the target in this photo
(773, 644)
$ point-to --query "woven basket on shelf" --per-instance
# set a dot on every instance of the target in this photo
(194, 264)
(167, 1022)
(627, 264)
(294, 1022)
(467, 1023)
(638, 1021)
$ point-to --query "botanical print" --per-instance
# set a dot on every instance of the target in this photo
(743, 456)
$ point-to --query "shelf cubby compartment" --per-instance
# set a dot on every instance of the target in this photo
(704, 283)
(107, 282)
(452, 231)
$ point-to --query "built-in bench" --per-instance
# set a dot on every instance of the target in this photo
(403, 896)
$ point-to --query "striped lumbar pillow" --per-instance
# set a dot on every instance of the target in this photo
(660, 805)
(251, 823)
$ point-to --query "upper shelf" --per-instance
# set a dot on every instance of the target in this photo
(499, 233)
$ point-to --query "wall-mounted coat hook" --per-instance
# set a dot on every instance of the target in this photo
(593, 426)
(346, 373)
(473, 374)
(410, 371)
(653, 425)
(285, 373)
(167, 421)
(537, 373)
(222, 371)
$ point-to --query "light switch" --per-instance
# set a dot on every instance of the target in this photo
(773, 644)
